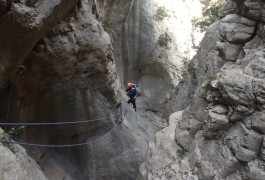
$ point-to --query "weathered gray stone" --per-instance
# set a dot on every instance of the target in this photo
(236, 87)
(228, 8)
(235, 18)
(258, 122)
(245, 155)
(258, 86)
(236, 33)
(75, 70)
(219, 109)
(240, 112)
(236, 29)
(162, 157)
(206, 63)
(252, 9)
(231, 145)
(245, 144)
(263, 14)
(183, 138)
(255, 170)
(206, 170)
(228, 50)
(195, 126)
(263, 148)
(216, 121)
(17, 164)
(255, 64)
(72, 71)
(27, 24)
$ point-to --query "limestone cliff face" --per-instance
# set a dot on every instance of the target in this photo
(68, 73)
(58, 63)
(16, 164)
(220, 135)
(140, 58)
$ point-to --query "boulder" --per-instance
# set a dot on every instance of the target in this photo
(254, 64)
(228, 50)
(17, 164)
(236, 29)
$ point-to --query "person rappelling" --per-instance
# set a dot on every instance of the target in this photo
(132, 92)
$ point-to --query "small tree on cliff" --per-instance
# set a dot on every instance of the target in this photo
(161, 14)
(209, 15)
(165, 39)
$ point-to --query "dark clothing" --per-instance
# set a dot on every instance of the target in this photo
(132, 100)
(131, 93)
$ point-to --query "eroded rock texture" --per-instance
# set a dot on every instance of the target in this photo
(68, 73)
(15, 163)
(58, 63)
(221, 133)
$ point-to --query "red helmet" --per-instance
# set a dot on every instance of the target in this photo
(129, 85)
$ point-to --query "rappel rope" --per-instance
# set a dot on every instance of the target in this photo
(118, 121)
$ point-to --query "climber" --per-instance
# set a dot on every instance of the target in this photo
(131, 93)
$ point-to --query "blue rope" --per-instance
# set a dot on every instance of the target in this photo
(66, 145)
(58, 123)
(60, 145)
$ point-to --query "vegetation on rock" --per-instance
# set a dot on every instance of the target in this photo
(165, 39)
(161, 14)
(181, 152)
(209, 15)
(108, 26)
(14, 132)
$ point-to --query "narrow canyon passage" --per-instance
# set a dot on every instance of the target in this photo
(64, 69)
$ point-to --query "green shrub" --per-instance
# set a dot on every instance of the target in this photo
(210, 15)
(164, 39)
(5, 137)
(161, 14)
(107, 26)
(14, 132)
(181, 152)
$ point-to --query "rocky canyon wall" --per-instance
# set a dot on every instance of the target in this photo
(220, 135)
(69, 61)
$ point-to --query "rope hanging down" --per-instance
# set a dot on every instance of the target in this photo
(19, 69)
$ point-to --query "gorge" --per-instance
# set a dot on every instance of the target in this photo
(200, 115)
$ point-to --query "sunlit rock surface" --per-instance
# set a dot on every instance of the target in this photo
(59, 62)
(16, 163)
(222, 129)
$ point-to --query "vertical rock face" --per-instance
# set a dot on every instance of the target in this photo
(26, 21)
(221, 133)
(70, 76)
(140, 58)
(58, 63)
(15, 164)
